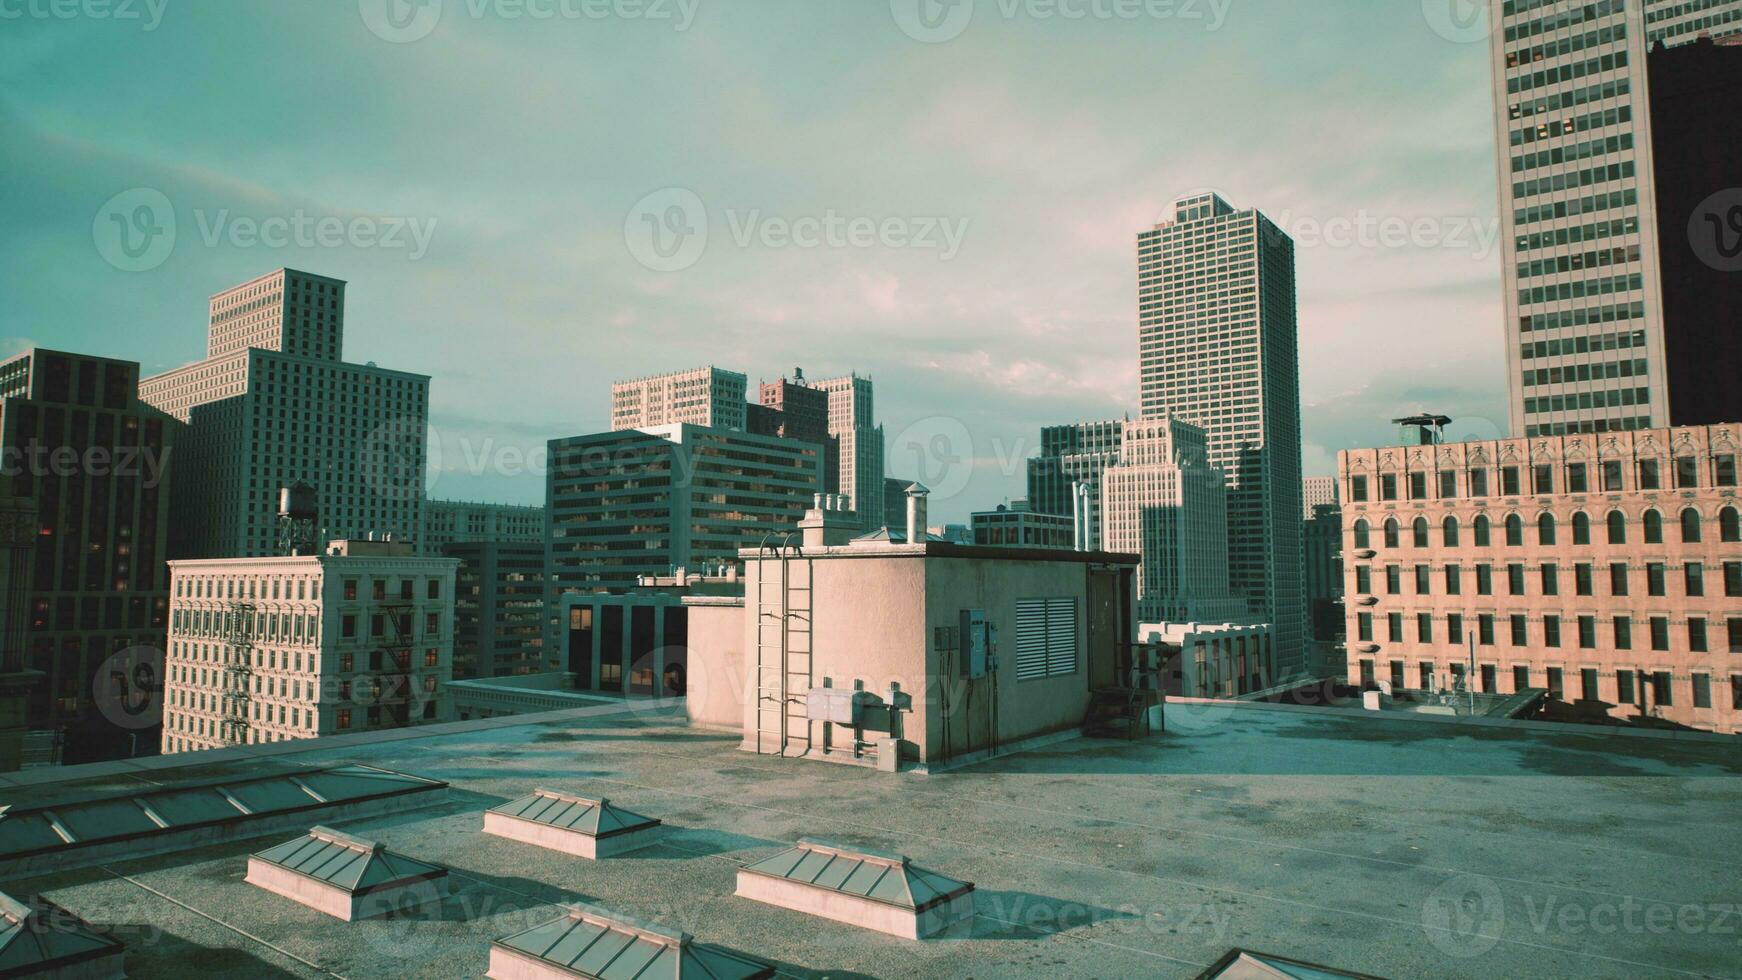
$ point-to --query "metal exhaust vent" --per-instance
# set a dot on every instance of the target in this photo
(571, 824)
(600, 945)
(40, 939)
(346, 877)
(872, 889)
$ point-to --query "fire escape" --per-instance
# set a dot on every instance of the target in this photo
(238, 658)
(393, 680)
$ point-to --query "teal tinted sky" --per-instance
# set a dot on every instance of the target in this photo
(525, 149)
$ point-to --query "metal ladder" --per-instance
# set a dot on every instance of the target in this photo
(783, 651)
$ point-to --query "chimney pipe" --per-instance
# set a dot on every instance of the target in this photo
(916, 532)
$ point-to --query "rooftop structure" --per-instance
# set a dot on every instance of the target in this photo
(345, 876)
(599, 945)
(41, 939)
(572, 824)
(1325, 836)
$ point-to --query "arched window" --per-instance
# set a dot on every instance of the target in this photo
(1581, 528)
(1545, 528)
(1514, 531)
(1617, 527)
(1391, 532)
(1730, 524)
(1483, 527)
(1653, 527)
(1690, 526)
(1418, 532)
(1363, 534)
(1449, 530)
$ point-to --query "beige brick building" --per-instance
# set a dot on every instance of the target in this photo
(1606, 568)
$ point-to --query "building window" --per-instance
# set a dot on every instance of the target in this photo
(1454, 580)
(1520, 631)
(1394, 627)
(1735, 628)
(1724, 470)
(1424, 627)
(344, 718)
(1046, 637)
(1387, 486)
(1509, 486)
(1514, 531)
(1612, 476)
(1391, 537)
(1418, 486)
(1423, 580)
(1484, 580)
(1363, 580)
(1587, 632)
(1733, 579)
(351, 589)
(1478, 483)
(1702, 690)
(1455, 628)
(1687, 472)
(1364, 627)
(1551, 629)
(348, 626)
(1581, 528)
(1485, 629)
(1690, 526)
(435, 588)
(1623, 633)
(1449, 531)
(1654, 579)
(1648, 475)
(1557, 689)
(1393, 580)
(1418, 532)
(1659, 633)
(1694, 579)
(1448, 486)
(1520, 678)
(1618, 579)
(1730, 525)
(1576, 481)
(1582, 579)
(1358, 489)
(1617, 527)
(1425, 670)
(1545, 529)
(1551, 579)
(1363, 534)
(1662, 689)
(1397, 675)
(1697, 634)
(1515, 579)
(1624, 693)
(1544, 479)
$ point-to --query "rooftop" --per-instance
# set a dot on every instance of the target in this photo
(1395, 847)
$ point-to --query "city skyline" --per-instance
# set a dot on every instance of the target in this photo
(1027, 324)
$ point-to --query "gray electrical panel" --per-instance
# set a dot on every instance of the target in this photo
(976, 638)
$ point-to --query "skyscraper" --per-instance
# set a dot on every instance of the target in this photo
(1590, 337)
(1218, 347)
(1072, 454)
(96, 461)
(852, 423)
(1164, 502)
(273, 404)
(705, 396)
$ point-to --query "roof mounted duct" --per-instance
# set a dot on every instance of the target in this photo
(593, 943)
(346, 877)
(862, 887)
(40, 939)
(571, 824)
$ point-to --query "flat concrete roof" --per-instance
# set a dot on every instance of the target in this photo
(1398, 848)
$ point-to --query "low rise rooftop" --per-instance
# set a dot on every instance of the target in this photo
(1392, 847)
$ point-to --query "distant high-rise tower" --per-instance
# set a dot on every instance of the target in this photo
(272, 405)
(1218, 347)
(1070, 455)
(1592, 338)
(859, 469)
(704, 396)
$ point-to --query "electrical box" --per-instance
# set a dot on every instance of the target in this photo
(976, 638)
(840, 705)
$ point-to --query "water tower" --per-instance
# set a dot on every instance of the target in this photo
(296, 521)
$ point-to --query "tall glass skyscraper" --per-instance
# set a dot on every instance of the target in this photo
(1218, 344)
(1587, 345)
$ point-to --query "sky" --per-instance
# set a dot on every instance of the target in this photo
(531, 198)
